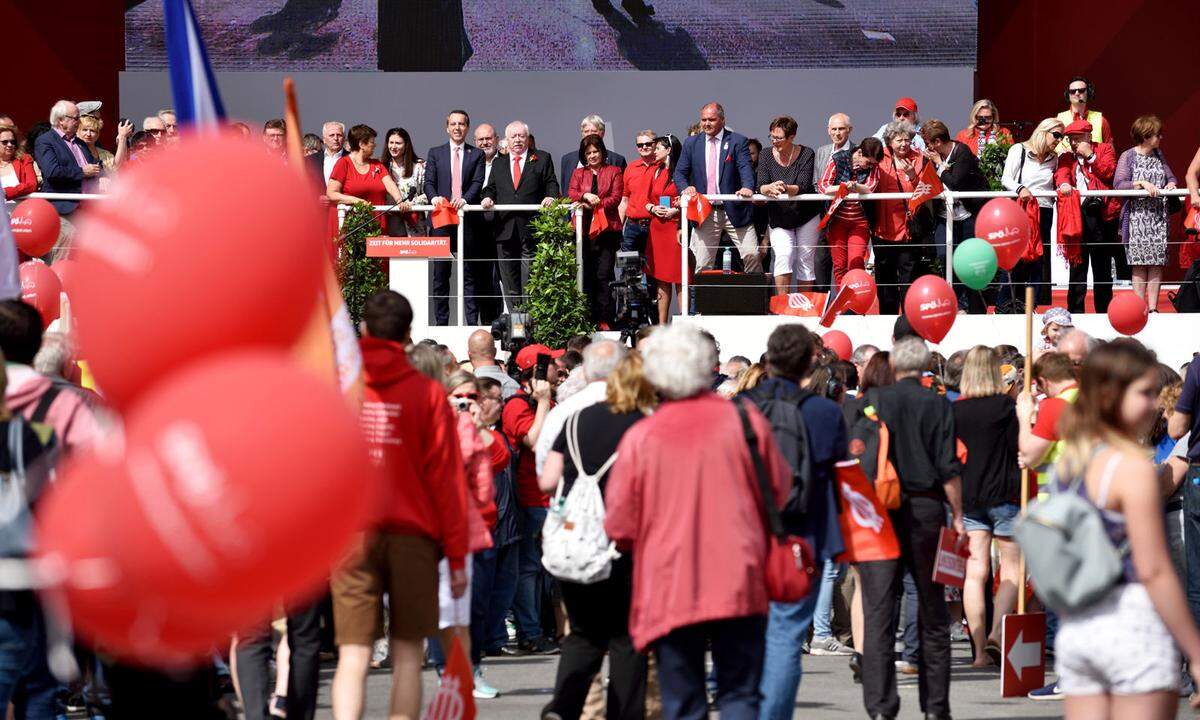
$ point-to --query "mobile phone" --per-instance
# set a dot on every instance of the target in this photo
(543, 366)
(664, 201)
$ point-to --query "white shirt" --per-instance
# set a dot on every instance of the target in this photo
(329, 162)
(487, 168)
(1033, 175)
(592, 394)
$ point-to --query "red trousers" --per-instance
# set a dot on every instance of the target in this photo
(848, 241)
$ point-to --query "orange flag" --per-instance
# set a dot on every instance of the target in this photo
(928, 186)
(328, 344)
(454, 699)
(842, 191)
(699, 209)
(444, 215)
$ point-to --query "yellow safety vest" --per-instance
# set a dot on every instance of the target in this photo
(1055, 451)
(1093, 116)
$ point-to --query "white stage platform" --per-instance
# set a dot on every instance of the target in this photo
(1173, 336)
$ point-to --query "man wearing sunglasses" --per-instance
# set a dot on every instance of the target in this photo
(1079, 93)
(639, 176)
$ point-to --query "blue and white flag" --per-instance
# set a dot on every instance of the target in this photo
(197, 100)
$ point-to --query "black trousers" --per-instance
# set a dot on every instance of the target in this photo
(917, 521)
(515, 258)
(823, 264)
(738, 647)
(482, 297)
(254, 653)
(896, 265)
(599, 615)
(1100, 247)
(599, 259)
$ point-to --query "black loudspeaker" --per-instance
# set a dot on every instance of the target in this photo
(717, 293)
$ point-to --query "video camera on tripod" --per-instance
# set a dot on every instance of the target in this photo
(513, 331)
(631, 298)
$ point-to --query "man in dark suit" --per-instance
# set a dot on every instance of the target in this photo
(522, 177)
(67, 166)
(454, 175)
(590, 125)
(333, 137)
(717, 162)
(839, 130)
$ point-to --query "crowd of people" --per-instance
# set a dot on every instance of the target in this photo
(638, 201)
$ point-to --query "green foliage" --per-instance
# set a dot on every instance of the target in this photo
(557, 308)
(991, 161)
(360, 276)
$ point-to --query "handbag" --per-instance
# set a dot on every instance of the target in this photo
(790, 565)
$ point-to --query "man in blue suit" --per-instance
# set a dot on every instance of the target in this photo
(717, 162)
(454, 175)
(67, 165)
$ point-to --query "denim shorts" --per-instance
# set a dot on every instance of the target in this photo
(999, 520)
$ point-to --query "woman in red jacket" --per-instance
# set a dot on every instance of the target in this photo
(17, 175)
(898, 257)
(597, 187)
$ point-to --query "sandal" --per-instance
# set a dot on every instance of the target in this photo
(992, 650)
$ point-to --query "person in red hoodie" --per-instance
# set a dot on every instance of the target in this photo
(1090, 166)
(411, 433)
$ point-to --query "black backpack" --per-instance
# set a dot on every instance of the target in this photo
(1187, 298)
(780, 405)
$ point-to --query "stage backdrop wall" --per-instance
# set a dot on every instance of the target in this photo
(554, 102)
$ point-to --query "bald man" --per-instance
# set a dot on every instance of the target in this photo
(524, 177)
(481, 351)
(839, 129)
(1075, 345)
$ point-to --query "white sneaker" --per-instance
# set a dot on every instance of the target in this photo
(828, 645)
(482, 690)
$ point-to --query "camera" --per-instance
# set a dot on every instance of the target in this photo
(513, 331)
(462, 404)
(631, 298)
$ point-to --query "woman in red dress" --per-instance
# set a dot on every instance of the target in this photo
(358, 177)
(663, 253)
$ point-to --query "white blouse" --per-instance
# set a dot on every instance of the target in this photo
(412, 189)
(1021, 169)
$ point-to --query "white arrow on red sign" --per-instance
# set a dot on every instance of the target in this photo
(1024, 655)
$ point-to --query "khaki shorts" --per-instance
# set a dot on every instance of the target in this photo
(403, 566)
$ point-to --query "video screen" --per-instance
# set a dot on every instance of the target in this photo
(493, 35)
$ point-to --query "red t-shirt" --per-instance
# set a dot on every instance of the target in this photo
(638, 178)
(365, 186)
(1046, 425)
(516, 420)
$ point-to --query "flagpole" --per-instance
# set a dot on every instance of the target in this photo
(1025, 470)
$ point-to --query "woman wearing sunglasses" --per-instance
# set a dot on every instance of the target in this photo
(17, 176)
(983, 127)
(1030, 168)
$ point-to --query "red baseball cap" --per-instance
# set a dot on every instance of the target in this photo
(527, 357)
(1079, 127)
(908, 104)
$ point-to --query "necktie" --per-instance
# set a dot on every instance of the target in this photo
(516, 173)
(456, 175)
(711, 168)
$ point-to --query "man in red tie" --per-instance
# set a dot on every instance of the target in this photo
(525, 177)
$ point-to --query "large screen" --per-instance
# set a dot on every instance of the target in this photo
(517, 35)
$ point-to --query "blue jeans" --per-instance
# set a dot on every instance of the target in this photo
(1191, 538)
(823, 616)
(634, 237)
(912, 638)
(737, 649)
(504, 590)
(787, 628)
(527, 606)
(483, 583)
(25, 679)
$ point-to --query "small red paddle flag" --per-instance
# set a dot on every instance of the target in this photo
(699, 209)
(444, 215)
(929, 186)
(842, 191)
(455, 699)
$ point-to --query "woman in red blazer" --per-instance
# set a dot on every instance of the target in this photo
(17, 175)
(597, 187)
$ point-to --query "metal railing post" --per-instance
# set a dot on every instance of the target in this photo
(579, 249)
(685, 241)
(948, 197)
(462, 295)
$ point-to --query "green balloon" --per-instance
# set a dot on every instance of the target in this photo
(975, 263)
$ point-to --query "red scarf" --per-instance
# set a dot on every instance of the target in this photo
(1033, 249)
(1070, 227)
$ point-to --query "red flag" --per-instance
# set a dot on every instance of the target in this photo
(834, 306)
(866, 527)
(454, 699)
(599, 223)
(444, 215)
(842, 191)
(928, 186)
(802, 304)
(1033, 249)
(1070, 227)
(699, 209)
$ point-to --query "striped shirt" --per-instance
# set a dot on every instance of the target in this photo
(849, 209)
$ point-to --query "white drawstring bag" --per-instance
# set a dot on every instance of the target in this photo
(575, 546)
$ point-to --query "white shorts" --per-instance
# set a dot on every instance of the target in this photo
(1119, 646)
(796, 250)
(453, 612)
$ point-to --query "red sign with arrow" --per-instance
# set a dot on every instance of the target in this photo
(1023, 638)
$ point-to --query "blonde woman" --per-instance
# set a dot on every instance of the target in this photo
(1030, 168)
(89, 132)
(983, 127)
(985, 418)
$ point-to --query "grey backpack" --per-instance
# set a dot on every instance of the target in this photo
(1068, 552)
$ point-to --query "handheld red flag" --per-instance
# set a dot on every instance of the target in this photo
(455, 699)
(599, 223)
(699, 209)
(835, 304)
(444, 215)
(842, 191)
(928, 186)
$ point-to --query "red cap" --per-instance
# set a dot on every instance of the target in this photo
(908, 104)
(527, 357)
(1079, 127)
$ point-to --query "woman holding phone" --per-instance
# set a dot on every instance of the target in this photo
(664, 253)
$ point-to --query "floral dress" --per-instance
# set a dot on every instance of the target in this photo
(1146, 239)
(412, 190)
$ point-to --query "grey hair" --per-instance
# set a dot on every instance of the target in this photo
(593, 120)
(427, 361)
(720, 109)
(522, 123)
(327, 123)
(898, 127)
(862, 354)
(58, 111)
(601, 358)
(165, 111)
(679, 361)
(57, 350)
(910, 355)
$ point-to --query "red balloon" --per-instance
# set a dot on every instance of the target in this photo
(1005, 226)
(839, 342)
(1127, 313)
(863, 285)
(241, 481)
(931, 307)
(67, 272)
(35, 224)
(208, 246)
(41, 288)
